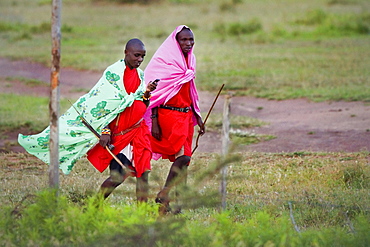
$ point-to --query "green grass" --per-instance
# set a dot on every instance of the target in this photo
(325, 193)
(237, 122)
(29, 112)
(240, 128)
(288, 49)
(27, 81)
(245, 137)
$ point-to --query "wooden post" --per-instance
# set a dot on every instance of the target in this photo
(54, 95)
(225, 148)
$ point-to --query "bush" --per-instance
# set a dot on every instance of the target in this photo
(349, 24)
(313, 17)
(238, 28)
(249, 27)
(53, 221)
(334, 24)
(127, 1)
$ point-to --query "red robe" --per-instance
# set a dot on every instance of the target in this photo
(138, 137)
(177, 127)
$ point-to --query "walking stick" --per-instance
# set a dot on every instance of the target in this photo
(108, 147)
(205, 120)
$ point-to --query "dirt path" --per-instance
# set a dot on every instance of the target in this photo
(298, 125)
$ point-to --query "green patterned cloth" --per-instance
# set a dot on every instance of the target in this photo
(99, 107)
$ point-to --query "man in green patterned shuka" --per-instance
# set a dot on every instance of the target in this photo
(114, 107)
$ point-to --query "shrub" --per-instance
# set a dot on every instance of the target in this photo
(334, 24)
(249, 27)
(127, 1)
(349, 24)
(238, 28)
(313, 17)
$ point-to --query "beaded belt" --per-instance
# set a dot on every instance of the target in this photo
(129, 129)
(186, 109)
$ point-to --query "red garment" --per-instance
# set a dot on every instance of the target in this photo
(138, 137)
(182, 98)
(177, 127)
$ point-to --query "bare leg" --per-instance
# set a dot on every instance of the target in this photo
(110, 184)
(176, 175)
(142, 187)
(117, 176)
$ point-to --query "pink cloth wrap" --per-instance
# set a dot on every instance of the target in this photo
(169, 65)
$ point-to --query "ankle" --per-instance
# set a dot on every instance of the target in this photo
(163, 193)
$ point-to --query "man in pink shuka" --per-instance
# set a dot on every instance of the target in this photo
(174, 108)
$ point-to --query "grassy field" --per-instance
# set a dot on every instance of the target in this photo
(298, 199)
(274, 49)
(317, 49)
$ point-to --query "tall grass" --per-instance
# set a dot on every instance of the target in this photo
(265, 192)
(277, 50)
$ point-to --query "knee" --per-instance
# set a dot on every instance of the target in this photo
(115, 168)
(125, 161)
(144, 177)
(183, 161)
(117, 177)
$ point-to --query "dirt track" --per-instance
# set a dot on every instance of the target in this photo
(298, 125)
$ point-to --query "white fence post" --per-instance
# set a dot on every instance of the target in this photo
(225, 148)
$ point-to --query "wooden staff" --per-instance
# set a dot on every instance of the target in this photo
(205, 120)
(84, 121)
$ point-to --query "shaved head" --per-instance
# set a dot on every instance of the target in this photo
(134, 53)
(137, 43)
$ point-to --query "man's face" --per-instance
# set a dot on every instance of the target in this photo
(186, 41)
(134, 56)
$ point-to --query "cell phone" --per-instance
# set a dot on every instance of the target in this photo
(156, 80)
